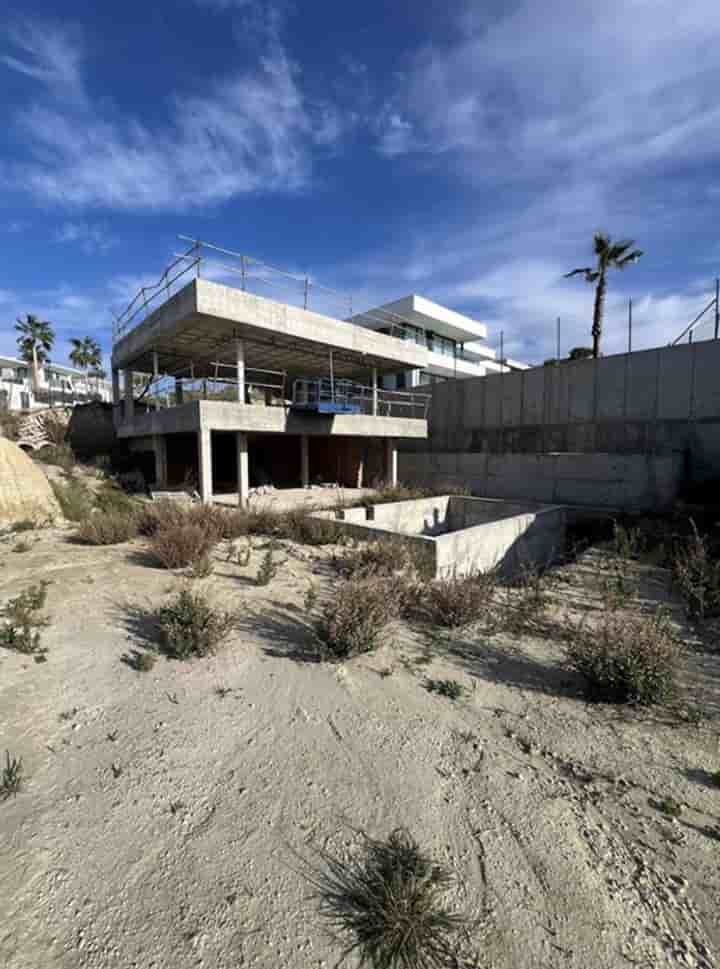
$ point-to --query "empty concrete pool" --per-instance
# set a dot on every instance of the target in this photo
(461, 535)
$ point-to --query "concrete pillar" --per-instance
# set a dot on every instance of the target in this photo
(243, 469)
(156, 374)
(160, 447)
(116, 396)
(374, 392)
(205, 465)
(304, 460)
(390, 462)
(129, 398)
(240, 356)
(178, 390)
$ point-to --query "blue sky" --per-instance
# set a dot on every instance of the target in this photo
(460, 150)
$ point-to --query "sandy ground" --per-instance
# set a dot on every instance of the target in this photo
(161, 825)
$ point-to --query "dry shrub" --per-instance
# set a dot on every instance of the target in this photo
(521, 608)
(626, 659)
(108, 528)
(61, 455)
(388, 906)
(456, 601)
(354, 619)
(182, 545)
(697, 576)
(386, 558)
(9, 423)
(191, 626)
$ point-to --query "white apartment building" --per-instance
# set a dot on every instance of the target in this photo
(57, 385)
(456, 343)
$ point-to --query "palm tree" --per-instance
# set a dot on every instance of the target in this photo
(35, 340)
(610, 255)
(84, 354)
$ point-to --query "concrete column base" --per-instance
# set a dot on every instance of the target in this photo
(160, 446)
(243, 469)
(304, 460)
(391, 462)
(205, 466)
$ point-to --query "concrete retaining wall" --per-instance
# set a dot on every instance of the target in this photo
(660, 402)
(630, 482)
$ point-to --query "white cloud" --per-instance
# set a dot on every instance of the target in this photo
(567, 86)
(251, 132)
(91, 238)
(46, 52)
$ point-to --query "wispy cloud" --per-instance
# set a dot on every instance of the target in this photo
(46, 52)
(91, 238)
(249, 132)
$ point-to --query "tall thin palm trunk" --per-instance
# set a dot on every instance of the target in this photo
(598, 314)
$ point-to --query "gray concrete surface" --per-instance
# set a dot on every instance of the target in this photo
(459, 535)
(630, 482)
(661, 401)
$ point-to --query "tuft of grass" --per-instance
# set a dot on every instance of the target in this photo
(108, 528)
(141, 662)
(627, 543)
(387, 905)
(23, 620)
(386, 558)
(74, 497)
(353, 621)
(696, 574)
(268, 567)
(669, 806)
(12, 777)
(190, 625)
(25, 525)
(626, 659)
(456, 601)
(449, 688)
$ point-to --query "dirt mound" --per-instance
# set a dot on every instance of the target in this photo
(25, 492)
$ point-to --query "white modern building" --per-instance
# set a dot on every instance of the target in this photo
(456, 344)
(57, 385)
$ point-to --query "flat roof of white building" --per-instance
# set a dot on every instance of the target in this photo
(422, 312)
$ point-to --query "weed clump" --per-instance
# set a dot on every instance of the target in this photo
(697, 576)
(12, 776)
(449, 688)
(456, 601)
(58, 454)
(191, 626)
(626, 659)
(23, 620)
(108, 528)
(386, 559)
(353, 621)
(388, 906)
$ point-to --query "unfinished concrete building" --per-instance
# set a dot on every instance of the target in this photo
(229, 390)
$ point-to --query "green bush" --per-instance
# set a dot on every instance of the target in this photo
(387, 558)
(75, 499)
(191, 626)
(626, 659)
(11, 779)
(110, 497)
(23, 620)
(108, 528)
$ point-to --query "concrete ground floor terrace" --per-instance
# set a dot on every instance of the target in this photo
(222, 447)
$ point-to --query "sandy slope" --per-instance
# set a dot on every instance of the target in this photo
(163, 826)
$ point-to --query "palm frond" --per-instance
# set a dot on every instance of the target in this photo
(588, 272)
(630, 258)
(601, 243)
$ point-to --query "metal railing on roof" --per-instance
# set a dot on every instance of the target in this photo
(216, 263)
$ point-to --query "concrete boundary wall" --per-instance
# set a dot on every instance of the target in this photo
(660, 401)
(617, 481)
